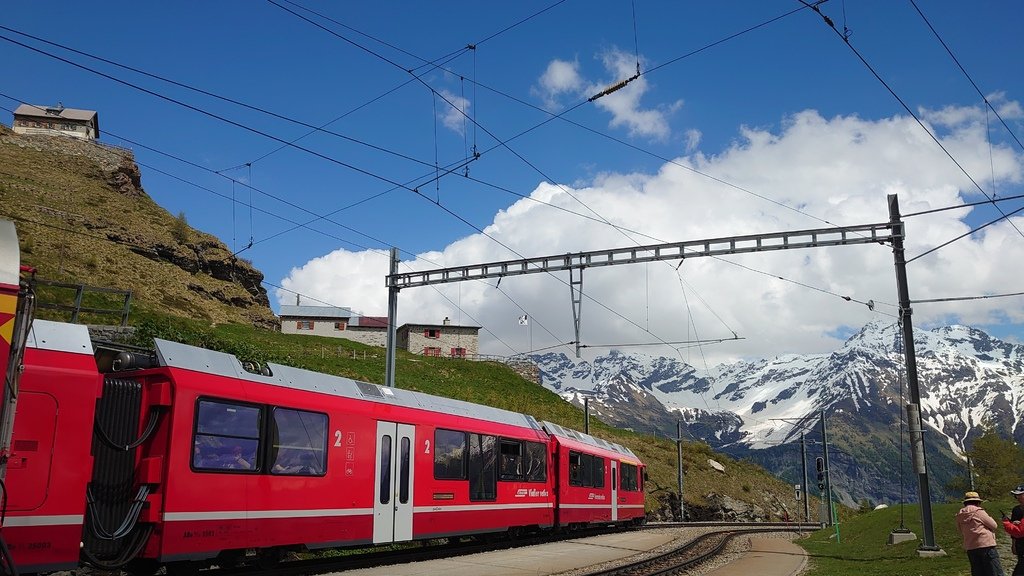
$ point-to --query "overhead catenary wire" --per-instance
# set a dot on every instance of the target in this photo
(967, 75)
(1004, 216)
(917, 119)
(965, 298)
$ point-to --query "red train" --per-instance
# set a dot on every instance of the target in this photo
(185, 457)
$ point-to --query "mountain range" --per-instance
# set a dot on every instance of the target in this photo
(759, 409)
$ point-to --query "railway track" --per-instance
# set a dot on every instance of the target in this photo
(697, 551)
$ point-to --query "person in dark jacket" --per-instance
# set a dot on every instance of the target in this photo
(1017, 515)
(979, 533)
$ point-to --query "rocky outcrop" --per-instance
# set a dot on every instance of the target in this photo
(66, 183)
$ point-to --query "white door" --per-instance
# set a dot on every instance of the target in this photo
(615, 490)
(393, 489)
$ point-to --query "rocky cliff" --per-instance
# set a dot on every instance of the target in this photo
(84, 217)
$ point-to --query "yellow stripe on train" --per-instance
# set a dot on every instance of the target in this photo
(8, 306)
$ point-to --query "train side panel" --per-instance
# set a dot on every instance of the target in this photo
(591, 486)
(478, 477)
(259, 431)
(51, 463)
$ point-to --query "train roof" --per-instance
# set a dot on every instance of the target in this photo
(177, 355)
(59, 337)
(9, 254)
(562, 432)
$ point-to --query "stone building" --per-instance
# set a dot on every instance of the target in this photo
(334, 322)
(50, 120)
(445, 339)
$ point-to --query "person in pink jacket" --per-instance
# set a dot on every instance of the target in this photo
(979, 532)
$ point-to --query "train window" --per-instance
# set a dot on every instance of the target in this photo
(299, 443)
(511, 463)
(596, 472)
(227, 436)
(482, 477)
(576, 469)
(536, 462)
(385, 469)
(403, 473)
(586, 470)
(449, 455)
(629, 479)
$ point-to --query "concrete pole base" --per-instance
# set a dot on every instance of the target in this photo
(932, 553)
(898, 536)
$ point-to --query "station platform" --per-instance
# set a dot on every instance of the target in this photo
(767, 557)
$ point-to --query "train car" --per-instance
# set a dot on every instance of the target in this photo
(285, 459)
(599, 482)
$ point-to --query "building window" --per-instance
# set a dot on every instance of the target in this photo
(339, 326)
(432, 333)
(458, 352)
(430, 351)
(304, 325)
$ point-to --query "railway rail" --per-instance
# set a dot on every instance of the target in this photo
(694, 552)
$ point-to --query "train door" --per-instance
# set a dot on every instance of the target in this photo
(392, 503)
(615, 490)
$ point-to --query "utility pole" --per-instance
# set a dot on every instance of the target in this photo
(679, 477)
(803, 463)
(586, 415)
(914, 422)
(389, 357)
(828, 479)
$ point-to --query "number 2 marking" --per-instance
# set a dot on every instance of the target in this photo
(427, 449)
(337, 438)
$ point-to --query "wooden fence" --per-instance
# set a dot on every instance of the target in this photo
(81, 293)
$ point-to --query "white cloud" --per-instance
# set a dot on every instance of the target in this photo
(693, 137)
(453, 115)
(563, 78)
(836, 169)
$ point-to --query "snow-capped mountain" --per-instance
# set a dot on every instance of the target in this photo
(966, 377)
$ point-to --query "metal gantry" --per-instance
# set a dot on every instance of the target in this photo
(890, 232)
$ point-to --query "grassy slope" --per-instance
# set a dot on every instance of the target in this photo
(862, 550)
(66, 206)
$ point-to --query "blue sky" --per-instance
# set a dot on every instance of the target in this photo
(786, 111)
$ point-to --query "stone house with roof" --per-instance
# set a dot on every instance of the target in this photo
(56, 120)
(334, 322)
(442, 340)
(446, 339)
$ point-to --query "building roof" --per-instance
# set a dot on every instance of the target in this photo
(368, 321)
(411, 325)
(54, 112)
(59, 111)
(314, 312)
